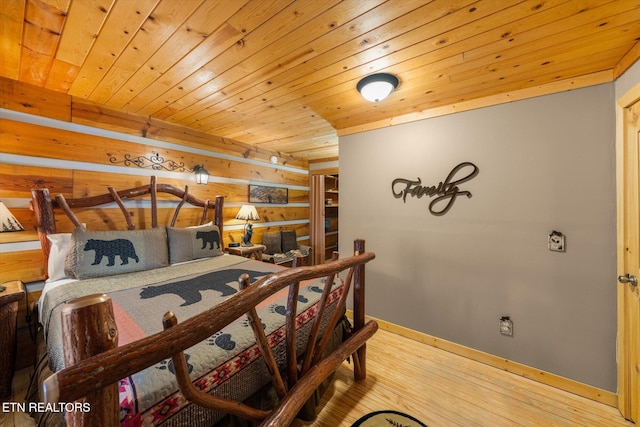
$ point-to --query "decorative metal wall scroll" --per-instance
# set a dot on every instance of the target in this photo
(446, 191)
(155, 162)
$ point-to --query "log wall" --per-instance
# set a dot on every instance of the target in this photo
(77, 149)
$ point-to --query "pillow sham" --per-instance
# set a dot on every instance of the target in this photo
(106, 253)
(186, 244)
(206, 224)
(60, 243)
(273, 243)
(289, 241)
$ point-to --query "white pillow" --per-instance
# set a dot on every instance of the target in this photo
(208, 224)
(59, 247)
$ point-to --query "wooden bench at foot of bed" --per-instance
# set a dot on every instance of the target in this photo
(95, 364)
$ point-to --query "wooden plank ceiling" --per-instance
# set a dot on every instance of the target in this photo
(281, 74)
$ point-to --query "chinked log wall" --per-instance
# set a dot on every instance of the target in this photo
(54, 153)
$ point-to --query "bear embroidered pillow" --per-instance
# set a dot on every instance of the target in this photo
(186, 244)
(105, 253)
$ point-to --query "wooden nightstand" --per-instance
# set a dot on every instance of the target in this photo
(9, 299)
(248, 251)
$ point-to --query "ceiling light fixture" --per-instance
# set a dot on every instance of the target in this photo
(377, 87)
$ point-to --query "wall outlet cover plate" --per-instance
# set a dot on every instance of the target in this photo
(506, 326)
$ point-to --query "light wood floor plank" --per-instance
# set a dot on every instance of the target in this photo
(444, 389)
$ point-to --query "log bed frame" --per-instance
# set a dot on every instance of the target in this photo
(94, 363)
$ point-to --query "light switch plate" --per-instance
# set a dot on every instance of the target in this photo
(556, 242)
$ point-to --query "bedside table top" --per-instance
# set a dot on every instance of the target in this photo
(14, 292)
(243, 250)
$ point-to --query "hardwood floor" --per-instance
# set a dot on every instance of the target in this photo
(443, 389)
(18, 419)
(439, 388)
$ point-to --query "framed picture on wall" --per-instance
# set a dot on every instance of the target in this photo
(260, 194)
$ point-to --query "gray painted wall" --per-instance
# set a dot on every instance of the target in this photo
(628, 80)
(545, 164)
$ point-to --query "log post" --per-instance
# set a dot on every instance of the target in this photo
(45, 221)
(360, 368)
(219, 217)
(89, 328)
(153, 190)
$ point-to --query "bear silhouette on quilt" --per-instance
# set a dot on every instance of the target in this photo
(190, 289)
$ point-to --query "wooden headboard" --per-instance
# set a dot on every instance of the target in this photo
(44, 208)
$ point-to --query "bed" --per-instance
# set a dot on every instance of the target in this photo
(159, 326)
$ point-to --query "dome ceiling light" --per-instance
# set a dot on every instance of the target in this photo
(377, 87)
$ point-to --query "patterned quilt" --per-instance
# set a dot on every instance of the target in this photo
(227, 364)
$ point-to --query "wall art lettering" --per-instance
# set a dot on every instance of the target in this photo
(446, 192)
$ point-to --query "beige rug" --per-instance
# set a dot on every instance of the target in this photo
(388, 419)
(16, 419)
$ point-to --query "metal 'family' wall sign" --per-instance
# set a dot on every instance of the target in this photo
(445, 192)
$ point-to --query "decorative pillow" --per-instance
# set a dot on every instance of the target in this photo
(186, 244)
(289, 241)
(105, 253)
(59, 248)
(273, 243)
(207, 224)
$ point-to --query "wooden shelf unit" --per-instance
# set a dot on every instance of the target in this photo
(332, 199)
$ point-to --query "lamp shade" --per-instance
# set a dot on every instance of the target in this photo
(377, 87)
(8, 222)
(202, 175)
(248, 213)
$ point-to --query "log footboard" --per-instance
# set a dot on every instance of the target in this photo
(93, 372)
(288, 407)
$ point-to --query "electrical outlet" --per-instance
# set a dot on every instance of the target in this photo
(506, 326)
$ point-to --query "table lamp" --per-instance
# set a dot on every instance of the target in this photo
(8, 222)
(247, 213)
